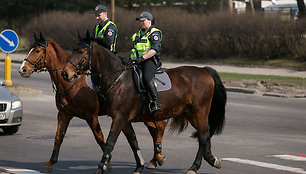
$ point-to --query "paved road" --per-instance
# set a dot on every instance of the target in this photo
(262, 135)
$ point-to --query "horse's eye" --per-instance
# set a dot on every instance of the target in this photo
(37, 51)
(81, 50)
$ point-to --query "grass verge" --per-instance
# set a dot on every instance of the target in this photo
(275, 79)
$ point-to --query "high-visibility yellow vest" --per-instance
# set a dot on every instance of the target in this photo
(142, 45)
(100, 34)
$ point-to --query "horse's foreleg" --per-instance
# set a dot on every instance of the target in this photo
(156, 130)
(62, 124)
(117, 125)
(93, 123)
(131, 137)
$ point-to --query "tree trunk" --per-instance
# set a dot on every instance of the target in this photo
(301, 6)
(230, 6)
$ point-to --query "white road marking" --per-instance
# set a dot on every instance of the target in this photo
(266, 165)
(22, 171)
(292, 157)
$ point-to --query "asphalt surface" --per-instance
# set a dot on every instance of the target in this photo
(18, 58)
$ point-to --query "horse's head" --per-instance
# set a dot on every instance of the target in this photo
(78, 62)
(36, 58)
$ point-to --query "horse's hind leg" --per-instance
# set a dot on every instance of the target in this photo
(212, 160)
(156, 130)
(62, 124)
(131, 137)
(204, 151)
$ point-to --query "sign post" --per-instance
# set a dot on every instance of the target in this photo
(8, 43)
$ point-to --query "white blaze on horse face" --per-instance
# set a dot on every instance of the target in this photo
(24, 60)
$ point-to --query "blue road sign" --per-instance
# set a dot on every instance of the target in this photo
(8, 41)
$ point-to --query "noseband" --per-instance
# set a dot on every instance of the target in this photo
(37, 65)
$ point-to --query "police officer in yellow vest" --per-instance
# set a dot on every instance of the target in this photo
(106, 29)
(146, 52)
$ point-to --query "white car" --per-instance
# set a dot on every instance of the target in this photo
(11, 111)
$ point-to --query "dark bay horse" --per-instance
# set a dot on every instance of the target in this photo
(197, 96)
(76, 99)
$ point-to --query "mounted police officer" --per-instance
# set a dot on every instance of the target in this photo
(106, 29)
(146, 52)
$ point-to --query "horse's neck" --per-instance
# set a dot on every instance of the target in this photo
(104, 64)
(57, 59)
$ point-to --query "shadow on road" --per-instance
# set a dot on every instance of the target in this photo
(85, 167)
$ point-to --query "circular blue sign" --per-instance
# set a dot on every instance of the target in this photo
(8, 41)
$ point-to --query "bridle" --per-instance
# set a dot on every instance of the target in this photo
(80, 68)
(38, 65)
(39, 68)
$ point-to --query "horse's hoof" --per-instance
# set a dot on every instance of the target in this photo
(137, 172)
(151, 165)
(46, 169)
(161, 161)
(109, 167)
(217, 162)
(99, 171)
(191, 172)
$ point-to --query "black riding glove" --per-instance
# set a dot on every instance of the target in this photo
(139, 60)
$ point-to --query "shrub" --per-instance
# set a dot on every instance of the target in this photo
(188, 35)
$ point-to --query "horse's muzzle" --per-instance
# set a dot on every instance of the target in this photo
(25, 73)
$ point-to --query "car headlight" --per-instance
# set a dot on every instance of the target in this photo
(16, 104)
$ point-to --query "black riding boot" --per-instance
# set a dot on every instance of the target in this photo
(154, 104)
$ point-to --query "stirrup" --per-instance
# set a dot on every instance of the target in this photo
(154, 106)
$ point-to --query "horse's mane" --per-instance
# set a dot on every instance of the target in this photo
(103, 43)
(59, 51)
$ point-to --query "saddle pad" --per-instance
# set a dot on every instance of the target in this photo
(162, 81)
(90, 84)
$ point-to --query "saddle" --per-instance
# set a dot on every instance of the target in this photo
(161, 79)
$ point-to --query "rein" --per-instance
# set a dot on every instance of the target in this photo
(39, 68)
(80, 71)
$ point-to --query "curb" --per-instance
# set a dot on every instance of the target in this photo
(252, 91)
(240, 90)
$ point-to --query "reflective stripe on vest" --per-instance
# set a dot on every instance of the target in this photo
(101, 33)
(142, 45)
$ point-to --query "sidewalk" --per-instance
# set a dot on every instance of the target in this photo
(18, 58)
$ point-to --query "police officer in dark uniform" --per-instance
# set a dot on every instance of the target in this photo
(146, 52)
(106, 29)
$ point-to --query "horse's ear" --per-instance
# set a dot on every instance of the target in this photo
(87, 35)
(41, 36)
(35, 37)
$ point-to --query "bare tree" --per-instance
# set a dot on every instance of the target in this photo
(301, 6)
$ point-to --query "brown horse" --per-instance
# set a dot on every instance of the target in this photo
(76, 99)
(197, 95)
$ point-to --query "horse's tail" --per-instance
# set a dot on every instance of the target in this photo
(216, 117)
